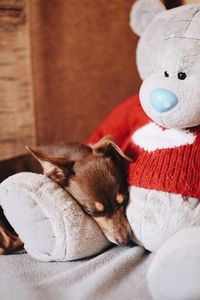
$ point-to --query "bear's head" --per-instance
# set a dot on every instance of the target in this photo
(168, 60)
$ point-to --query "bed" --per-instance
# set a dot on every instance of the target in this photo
(118, 273)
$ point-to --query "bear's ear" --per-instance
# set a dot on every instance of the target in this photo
(143, 12)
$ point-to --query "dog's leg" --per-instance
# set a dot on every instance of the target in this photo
(8, 241)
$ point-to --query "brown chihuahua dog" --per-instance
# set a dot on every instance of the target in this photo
(95, 176)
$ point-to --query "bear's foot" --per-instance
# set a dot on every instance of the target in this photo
(175, 271)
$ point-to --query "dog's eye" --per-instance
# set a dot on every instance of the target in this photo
(93, 213)
(120, 198)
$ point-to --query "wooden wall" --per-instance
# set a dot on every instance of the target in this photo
(83, 54)
(16, 103)
(63, 66)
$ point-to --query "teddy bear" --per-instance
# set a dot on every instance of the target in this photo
(160, 131)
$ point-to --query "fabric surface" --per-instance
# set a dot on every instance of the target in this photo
(170, 159)
(118, 273)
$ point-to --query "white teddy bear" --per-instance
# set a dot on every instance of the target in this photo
(160, 130)
(168, 59)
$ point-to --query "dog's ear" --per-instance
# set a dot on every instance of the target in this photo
(59, 169)
(107, 147)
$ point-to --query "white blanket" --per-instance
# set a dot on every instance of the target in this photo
(118, 273)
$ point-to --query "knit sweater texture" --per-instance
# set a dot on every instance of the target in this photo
(163, 159)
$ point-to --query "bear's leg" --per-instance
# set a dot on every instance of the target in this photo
(175, 271)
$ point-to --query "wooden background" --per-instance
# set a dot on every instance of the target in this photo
(63, 66)
(16, 102)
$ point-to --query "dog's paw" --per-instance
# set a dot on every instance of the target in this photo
(8, 241)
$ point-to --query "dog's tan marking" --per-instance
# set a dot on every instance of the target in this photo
(120, 198)
(99, 206)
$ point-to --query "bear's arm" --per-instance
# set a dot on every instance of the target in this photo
(118, 123)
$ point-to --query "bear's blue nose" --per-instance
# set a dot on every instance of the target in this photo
(163, 100)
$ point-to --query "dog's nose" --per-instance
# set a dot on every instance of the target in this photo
(122, 241)
(163, 100)
(122, 238)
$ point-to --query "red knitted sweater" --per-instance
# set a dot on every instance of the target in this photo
(163, 159)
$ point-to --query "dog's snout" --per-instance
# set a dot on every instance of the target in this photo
(122, 239)
(115, 228)
(123, 235)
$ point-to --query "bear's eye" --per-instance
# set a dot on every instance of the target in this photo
(166, 74)
(182, 75)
